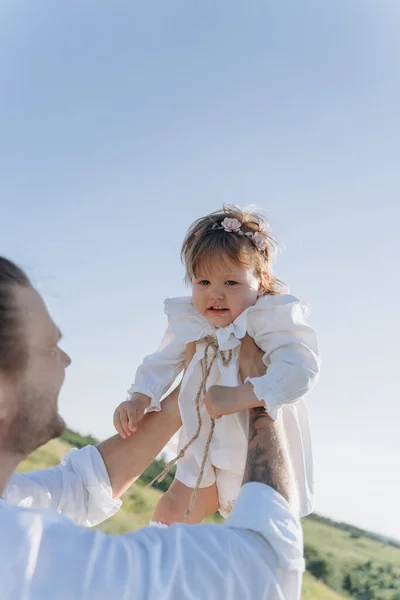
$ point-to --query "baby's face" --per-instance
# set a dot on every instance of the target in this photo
(221, 292)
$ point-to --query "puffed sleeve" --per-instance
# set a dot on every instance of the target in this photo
(278, 326)
(159, 370)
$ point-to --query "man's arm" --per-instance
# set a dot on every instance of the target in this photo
(86, 486)
(126, 459)
(267, 460)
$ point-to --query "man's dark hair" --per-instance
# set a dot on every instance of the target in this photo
(12, 348)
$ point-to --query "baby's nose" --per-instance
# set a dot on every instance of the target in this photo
(216, 293)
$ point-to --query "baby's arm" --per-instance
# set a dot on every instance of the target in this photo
(291, 356)
(153, 379)
(291, 352)
(222, 400)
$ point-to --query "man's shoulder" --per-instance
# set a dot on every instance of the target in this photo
(39, 544)
(25, 520)
(32, 527)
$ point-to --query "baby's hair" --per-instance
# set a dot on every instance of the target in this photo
(208, 240)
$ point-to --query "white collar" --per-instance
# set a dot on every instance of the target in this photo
(229, 337)
(188, 325)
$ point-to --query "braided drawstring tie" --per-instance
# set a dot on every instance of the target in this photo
(210, 343)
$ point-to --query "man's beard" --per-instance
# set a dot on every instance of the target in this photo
(36, 422)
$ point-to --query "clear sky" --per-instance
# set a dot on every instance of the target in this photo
(122, 122)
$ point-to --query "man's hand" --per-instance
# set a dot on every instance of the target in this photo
(129, 413)
(251, 362)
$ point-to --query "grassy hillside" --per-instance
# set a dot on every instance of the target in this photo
(313, 589)
(342, 562)
(344, 549)
(365, 568)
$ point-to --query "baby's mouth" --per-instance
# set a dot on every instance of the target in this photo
(218, 309)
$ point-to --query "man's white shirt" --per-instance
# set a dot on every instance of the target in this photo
(78, 488)
(256, 555)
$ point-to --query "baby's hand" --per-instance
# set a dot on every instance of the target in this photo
(221, 400)
(128, 414)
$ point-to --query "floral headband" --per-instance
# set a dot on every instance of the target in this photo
(234, 226)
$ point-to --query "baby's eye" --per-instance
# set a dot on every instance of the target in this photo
(204, 282)
(230, 282)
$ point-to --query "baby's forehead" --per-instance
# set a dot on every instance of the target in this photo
(220, 267)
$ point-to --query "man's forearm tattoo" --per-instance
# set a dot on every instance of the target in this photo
(266, 462)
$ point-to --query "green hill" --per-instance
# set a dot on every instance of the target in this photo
(342, 561)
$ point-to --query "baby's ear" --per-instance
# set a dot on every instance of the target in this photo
(263, 284)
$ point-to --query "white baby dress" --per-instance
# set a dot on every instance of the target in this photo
(291, 354)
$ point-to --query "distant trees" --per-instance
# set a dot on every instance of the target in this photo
(156, 467)
(77, 440)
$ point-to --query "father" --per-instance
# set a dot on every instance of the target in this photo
(256, 555)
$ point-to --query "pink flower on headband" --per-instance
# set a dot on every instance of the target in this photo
(235, 226)
(231, 225)
(259, 240)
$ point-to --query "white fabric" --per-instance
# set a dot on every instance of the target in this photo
(228, 481)
(228, 487)
(278, 326)
(256, 555)
(157, 524)
(78, 488)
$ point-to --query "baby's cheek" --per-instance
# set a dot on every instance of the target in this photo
(197, 304)
(245, 303)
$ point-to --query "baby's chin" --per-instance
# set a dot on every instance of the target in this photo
(220, 323)
(222, 320)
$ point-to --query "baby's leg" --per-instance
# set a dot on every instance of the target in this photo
(172, 505)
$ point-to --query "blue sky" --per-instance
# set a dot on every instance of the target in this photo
(120, 123)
